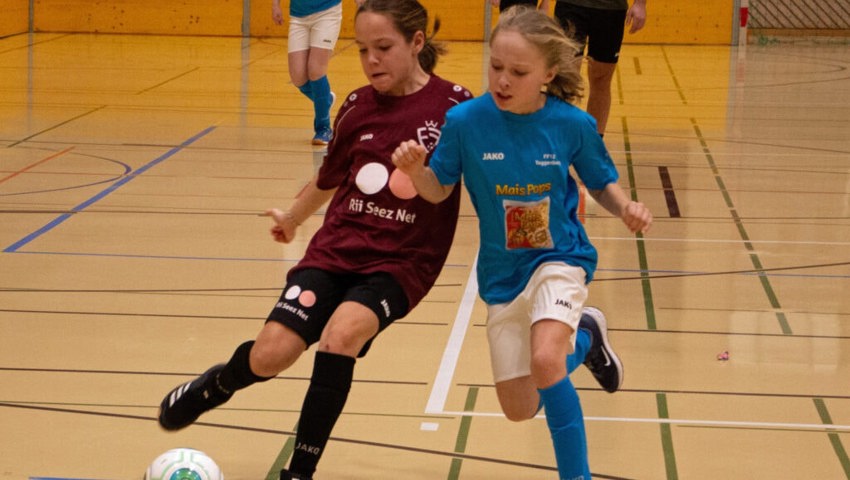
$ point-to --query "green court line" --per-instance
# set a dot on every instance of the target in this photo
(784, 326)
(282, 457)
(651, 324)
(834, 439)
(646, 286)
(673, 77)
(619, 84)
(463, 433)
(667, 438)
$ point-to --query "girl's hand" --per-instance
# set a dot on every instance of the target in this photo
(409, 157)
(277, 13)
(283, 230)
(637, 217)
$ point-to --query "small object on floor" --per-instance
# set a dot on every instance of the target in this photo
(723, 356)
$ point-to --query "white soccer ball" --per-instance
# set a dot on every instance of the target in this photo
(183, 464)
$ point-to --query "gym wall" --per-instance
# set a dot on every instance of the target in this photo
(668, 21)
(14, 17)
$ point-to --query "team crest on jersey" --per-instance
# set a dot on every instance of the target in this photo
(429, 135)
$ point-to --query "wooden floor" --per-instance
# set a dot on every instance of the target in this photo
(132, 173)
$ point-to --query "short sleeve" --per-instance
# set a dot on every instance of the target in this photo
(446, 160)
(592, 162)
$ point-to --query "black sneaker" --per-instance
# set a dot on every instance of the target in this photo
(183, 405)
(601, 360)
(287, 475)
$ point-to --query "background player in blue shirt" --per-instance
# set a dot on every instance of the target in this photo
(313, 32)
(513, 148)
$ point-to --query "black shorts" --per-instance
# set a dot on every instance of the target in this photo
(506, 4)
(601, 31)
(312, 295)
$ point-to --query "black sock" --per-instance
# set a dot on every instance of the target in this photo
(326, 396)
(237, 373)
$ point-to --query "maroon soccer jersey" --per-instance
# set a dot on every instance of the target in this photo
(376, 222)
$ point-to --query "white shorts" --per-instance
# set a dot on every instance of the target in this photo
(319, 30)
(556, 291)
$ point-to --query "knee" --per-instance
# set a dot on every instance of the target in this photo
(341, 340)
(518, 398)
(599, 76)
(268, 359)
(316, 67)
(518, 415)
(316, 74)
(298, 77)
(547, 368)
(264, 360)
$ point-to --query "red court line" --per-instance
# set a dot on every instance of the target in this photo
(58, 154)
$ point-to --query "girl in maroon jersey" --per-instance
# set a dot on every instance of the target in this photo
(375, 255)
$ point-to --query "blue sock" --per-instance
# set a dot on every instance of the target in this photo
(575, 359)
(321, 89)
(582, 346)
(307, 90)
(566, 425)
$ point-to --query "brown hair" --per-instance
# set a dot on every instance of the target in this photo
(409, 17)
(558, 49)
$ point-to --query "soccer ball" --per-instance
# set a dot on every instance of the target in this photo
(183, 464)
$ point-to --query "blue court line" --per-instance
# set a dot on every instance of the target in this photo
(121, 182)
(55, 478)
(163, 257)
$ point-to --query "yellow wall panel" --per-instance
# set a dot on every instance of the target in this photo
(173, 17)
(668, 21)
(261, 19)
(458, 21)
(706, 22)
(14, 17)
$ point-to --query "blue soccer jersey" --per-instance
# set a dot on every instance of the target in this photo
(516, 170)
(303, 8)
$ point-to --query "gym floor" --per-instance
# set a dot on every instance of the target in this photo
(133, 170)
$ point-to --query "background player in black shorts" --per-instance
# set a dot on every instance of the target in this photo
(599, 25)
(506, 4)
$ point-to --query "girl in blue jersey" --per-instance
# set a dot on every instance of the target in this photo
(313, 32)
(513, 147)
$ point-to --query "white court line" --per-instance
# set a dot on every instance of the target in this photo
(443, 381)
(675, 421)
(706, 240)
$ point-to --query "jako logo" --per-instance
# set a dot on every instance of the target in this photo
(493, 156)
(564, 303)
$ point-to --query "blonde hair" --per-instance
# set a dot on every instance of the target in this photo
(559, 50)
